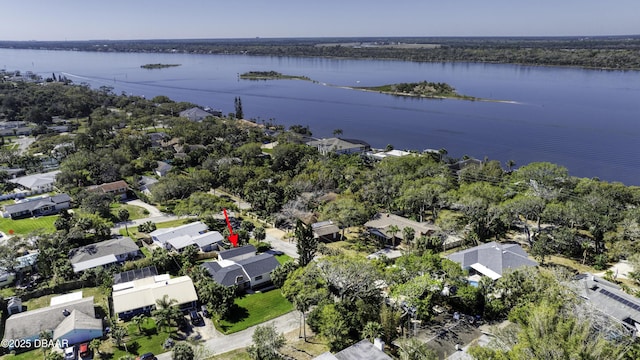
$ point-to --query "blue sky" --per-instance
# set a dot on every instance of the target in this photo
(164, 19)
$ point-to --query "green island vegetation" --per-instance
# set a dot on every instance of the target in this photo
(158, 66)
(596, 52)
(419, 89)
(570, 225)
(270, 75)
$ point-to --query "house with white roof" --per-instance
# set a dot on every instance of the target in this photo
(139, 296)
(195, 233)
(37, 183)
(339, 146)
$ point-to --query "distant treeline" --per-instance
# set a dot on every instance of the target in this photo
(615, 52)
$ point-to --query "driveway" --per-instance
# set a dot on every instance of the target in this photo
(23, 143)
(220, 344)
(153, 211)
(155, 216)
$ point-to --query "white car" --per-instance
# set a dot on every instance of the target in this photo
(70, 353)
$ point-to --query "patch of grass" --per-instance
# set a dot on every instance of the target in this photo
(7, 292)
(29, 225)
(145, 251)
(150, 339)
(300, 349)
(283, 258)
(569, 263)
(239, 354)
(347, 248)
(254, 309)
(99, 294)
(29, 355)
(135, 212)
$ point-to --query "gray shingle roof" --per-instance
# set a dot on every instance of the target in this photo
(610, 299)
(31, 205)
(225, 275)
(382, 222)
(324, 228)
(194, 114)
(30, 323)
(363, 350)
(259, 264)
(238, 251)
(496, 257)
(36, 180)
(77, 321)
(115, 247)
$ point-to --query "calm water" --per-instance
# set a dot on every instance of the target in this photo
(586, 120)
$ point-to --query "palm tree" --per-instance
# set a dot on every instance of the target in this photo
(164, 313)
(393, 230)
(337, 132)
(138, 320)
(94, 345)
(510, 164)
(123, 216)
(409, 234)
(118, 333)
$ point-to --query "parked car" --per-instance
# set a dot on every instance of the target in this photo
(196, 318)
(70, 353)
(147, 356)
(83, 350)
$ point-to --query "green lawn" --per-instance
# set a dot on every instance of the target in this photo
(29, 355)
(99, 295)
(150, 339)
(27, 226)
(254, 309)
(135, 212)
(283, 258)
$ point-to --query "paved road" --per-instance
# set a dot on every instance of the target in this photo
(220, 344)
(276, 238)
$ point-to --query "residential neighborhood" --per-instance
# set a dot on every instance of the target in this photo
(166, 228)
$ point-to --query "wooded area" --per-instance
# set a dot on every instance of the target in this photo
(600, 52)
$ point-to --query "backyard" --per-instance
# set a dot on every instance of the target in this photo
(29, 225)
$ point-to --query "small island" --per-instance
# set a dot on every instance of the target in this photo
(158, 66)
(423, 89)
(270, 75)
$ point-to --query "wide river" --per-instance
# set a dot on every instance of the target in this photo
(585, 120)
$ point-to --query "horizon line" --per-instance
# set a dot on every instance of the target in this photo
(340, 37)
